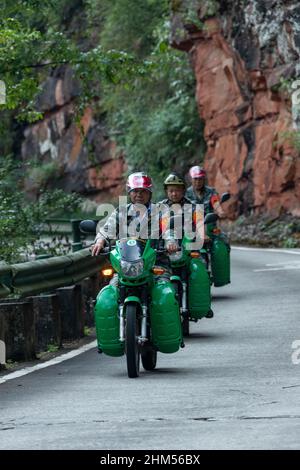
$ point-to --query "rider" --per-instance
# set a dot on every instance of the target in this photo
(139, 189)
(141, 215)
(175, 190)
(200, 193)
(174, 186)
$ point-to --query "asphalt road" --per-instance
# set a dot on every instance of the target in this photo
(234, 386)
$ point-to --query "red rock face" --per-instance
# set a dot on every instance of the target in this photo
(82, 157)
(247, 119)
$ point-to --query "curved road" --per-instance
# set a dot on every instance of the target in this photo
(234, 386)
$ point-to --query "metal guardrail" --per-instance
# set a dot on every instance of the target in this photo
(68, 228)
(5, 279)
(35, 277)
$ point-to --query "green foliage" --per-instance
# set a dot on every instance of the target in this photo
(41, 176)
(33, 41)
(194, 11)
(154, 117)
(292, 137)
(86, 331)
(10, 364)
(52, 348)
(21, 222)
(128, 25)
(126, 69)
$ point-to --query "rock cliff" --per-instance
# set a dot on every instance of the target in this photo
(82, 158)
(246, 61)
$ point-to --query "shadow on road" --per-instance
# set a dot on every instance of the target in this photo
(216, 298)
(160, 371)
(168, 371)
(204, 337)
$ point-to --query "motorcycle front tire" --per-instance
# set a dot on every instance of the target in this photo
(131, 344)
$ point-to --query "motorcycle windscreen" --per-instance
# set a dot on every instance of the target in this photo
(131, 249)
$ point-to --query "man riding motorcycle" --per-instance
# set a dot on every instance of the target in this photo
(139, 189)
(175, 188)
(217, 243)
(138, 312)
(200, 193)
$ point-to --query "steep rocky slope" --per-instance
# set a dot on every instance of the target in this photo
(246, 61)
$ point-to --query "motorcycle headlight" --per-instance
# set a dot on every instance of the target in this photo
(130, 269)
(176, 256)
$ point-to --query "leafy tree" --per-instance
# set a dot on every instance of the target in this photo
(154, 117)
(21, 222)
(33, 40)
(126, 69)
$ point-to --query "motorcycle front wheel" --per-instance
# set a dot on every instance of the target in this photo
(131, 344)
(149, 358)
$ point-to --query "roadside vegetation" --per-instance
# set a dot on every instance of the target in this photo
(137, 84)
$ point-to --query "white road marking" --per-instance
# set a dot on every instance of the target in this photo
(283, 268)
(52, 362)
(272, 250)
(87, 347)
(284, 263)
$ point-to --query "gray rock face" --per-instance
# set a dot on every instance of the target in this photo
(76, 158)
(267, 29)
(246, 62)
(58, 90)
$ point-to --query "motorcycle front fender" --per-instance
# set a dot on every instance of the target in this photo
(108, 322)
(132, 299)
(199, 297)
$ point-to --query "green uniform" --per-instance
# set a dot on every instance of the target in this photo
(184, 202)
(122, 220)
(206, 197)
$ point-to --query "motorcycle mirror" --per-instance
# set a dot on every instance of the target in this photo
(88, 226)
(210, 218)
(225, 197)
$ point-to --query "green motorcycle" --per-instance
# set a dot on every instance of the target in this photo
(217, 252)
(139, 314)
(192, 281)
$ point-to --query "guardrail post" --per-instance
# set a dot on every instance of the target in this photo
(90, 289)
(17, 329)
(77, 243)
(5, 279)
(70, 304)
(48, 330)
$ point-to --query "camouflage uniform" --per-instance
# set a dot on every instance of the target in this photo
(183, 201)
(111, 229)
(192, 207)
(208, 197)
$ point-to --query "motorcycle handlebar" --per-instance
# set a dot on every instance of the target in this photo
(166, 251)
(107, 249)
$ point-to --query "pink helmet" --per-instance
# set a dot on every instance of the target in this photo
(197, 172)
(139, 180)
